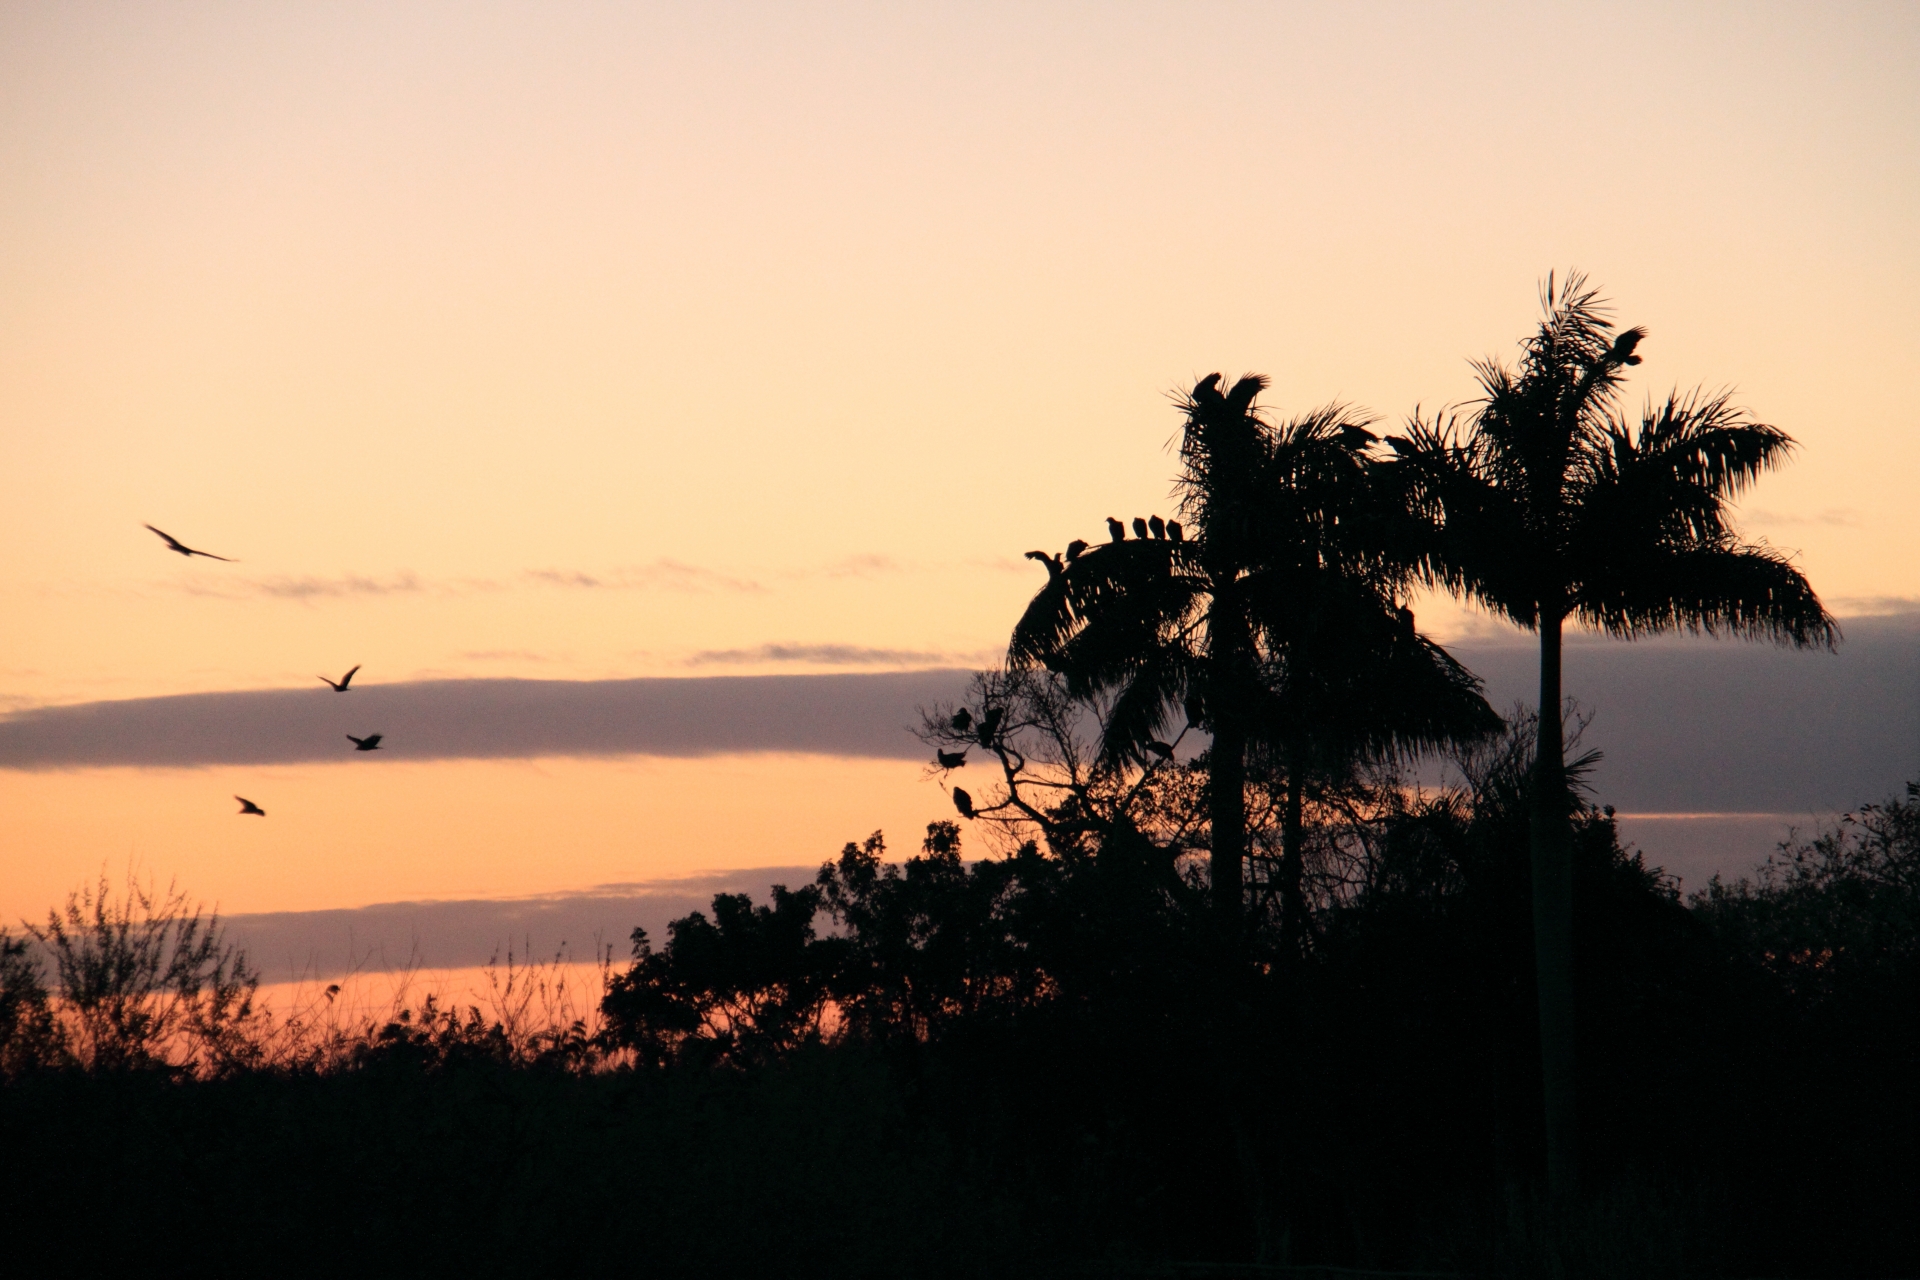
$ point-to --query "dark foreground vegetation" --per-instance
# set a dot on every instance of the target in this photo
(946, 1067)
(1226, 990)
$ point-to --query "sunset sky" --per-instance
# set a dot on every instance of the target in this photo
(591, 342)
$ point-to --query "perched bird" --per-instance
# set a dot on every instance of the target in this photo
(249, 807)
(1052, 562)
(1116, 532)
(1623, 346)
(174, 544)
(340, 685)
(963, 802)
(1158, 526)
(1354, 437)
(1074, 549)
(369, 743)
(1174, 532)
(990, 725)
(1404, 616)
(1161, 749)
(962, 720)
(950, 759)
(1139, 527)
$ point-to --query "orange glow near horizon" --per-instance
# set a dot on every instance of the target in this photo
(579, 342)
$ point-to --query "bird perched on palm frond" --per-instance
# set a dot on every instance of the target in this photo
(1622, 352)
(174, 544)
(990, 725)
(1074, 549)
(1158, 526)
(962, 720)
(1116, 532)
(1174, 532)
(1356, 437)
(950, 759)
(249, 807)
(1160, 749)
(340, 685)
(1054, 567)
(963, 802)
(1139, 527)
(369, 743)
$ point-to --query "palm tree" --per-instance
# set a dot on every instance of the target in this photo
(1545, 507)
(1273, 624)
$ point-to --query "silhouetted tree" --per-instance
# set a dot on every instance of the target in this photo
(1546, 506)
(1273, 626)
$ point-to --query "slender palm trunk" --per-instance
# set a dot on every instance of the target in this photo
(1293, 904)
(1227, 811)
(1553, 921)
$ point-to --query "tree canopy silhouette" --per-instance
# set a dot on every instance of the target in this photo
(1544, 504)
(1273, 627)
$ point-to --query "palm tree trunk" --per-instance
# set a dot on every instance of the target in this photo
(1553, 921)
(1293, 906)
(1227, 813)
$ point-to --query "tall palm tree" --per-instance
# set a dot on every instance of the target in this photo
(1274, 623)
(1547, 508)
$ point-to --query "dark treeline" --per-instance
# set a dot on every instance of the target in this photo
(1213, 986)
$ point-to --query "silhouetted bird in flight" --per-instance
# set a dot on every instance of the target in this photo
(1174, 532)
(1074, 549)
(963, 802)
(1623, 346)
(340, 685)
(1116, 531)
(990, 725)
(1052, 563)
(369, 743)
(950, 759)
(1158, 526)
(174, 544)
(962, 720)
(1139, 527)
(249, 807)
(1161, 749)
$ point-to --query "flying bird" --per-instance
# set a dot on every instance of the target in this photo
(962, 720)
(1116, 531)
(174, 544)
(1158, 526)
(369, 743)
(1074, 549)
(950, 759)
(1052, 563)
(990, 725)
(1174, 532)
(249, 807)
(1139, 527)
(340, 685)
(963, 802)
(1623, 346)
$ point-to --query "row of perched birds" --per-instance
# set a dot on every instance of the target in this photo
(1149, 528)
(1153, 527)
(369, 743)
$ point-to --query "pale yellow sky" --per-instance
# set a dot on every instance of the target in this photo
(580, 341)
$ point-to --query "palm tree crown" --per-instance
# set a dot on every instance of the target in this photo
(1274, 623)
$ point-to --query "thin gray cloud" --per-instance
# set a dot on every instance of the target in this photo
(842, 714)
(316, 946)
(661, 575)
(308, 587)
(835, 655)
